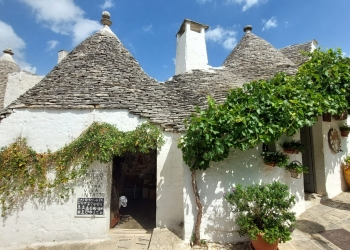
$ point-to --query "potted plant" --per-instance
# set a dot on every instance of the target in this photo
(346, 167)
(263, 213)
(293, 147)
(344, 130)
(296, 169)
(275, 159)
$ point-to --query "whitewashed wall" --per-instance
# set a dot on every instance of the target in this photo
(191, 51)
(241, 167)
(170, 185)
(333, 174)
(52, 129)
(17, 84)
(53, 221)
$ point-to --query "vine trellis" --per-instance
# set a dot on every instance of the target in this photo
(25, 172)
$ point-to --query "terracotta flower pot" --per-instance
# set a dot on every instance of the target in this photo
(261, 244)
(271, 164)
(347, 175)
(344, 133)
(291, 151)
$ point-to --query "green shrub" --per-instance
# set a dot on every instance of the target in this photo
(263, 209)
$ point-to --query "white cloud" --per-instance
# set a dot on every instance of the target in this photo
(203, 1)
(107, 4)
(52, 44)
(147, 28)
(224, 37)
(271, 23)
(63, 17)
(247, 3)
(9, 39)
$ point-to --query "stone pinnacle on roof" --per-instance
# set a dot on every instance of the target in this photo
(106, 18)
(8, 51)
(248, 28)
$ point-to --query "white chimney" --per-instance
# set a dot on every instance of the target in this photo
(61, 55)
(191, 50)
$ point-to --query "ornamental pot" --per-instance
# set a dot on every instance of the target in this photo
(344, 133)
(347, 175)
(261, 244)
(295, 174)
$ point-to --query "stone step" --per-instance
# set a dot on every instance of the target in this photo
(130, 231)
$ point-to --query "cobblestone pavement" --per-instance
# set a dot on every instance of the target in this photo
(323, 226)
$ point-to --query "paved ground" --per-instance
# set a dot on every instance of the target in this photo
(323, 226)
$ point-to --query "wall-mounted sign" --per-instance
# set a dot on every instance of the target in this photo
(91, 194)
(90, 206)
(334, 140)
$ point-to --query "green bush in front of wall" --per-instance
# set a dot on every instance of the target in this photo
(24, 172)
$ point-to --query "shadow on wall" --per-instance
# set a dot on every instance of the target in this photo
(170, 205)
(240, 167)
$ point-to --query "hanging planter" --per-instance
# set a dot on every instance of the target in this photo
(296, 169)
(344, 130)
(275, 159)
(293, 147)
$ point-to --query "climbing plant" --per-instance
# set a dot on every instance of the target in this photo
(262, 111)
(25, 172)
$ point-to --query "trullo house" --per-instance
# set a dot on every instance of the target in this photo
(100, 81)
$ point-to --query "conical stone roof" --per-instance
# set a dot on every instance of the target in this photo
(7, 66)
(93, 74)
(254, 58)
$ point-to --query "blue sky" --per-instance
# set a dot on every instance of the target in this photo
(37, 29)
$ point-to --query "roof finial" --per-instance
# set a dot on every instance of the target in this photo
(8, 51)
(106, 18)
(248, 28)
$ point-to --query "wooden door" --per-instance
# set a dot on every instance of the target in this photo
(308, 159)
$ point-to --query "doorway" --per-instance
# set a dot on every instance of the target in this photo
(308, 159)
(134, 176)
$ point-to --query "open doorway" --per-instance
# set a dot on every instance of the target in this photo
(134, 176)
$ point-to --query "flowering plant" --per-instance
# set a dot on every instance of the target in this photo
(263, 209)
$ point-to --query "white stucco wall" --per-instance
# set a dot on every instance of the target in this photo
(18, 83)
(54, 220)
(334, 179)
(244, 167)
(191, 51)
(170, 185)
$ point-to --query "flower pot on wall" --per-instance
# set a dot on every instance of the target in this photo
(261, 244)
(344, 133)
(295, 174)
(291, 151)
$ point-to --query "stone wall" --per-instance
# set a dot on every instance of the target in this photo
(6, 67)
(18, 83)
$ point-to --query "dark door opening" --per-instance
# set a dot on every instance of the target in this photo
(134, 176)
(308, 159)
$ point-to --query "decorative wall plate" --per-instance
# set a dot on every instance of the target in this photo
(334, 140)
